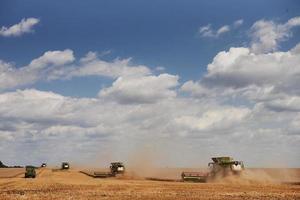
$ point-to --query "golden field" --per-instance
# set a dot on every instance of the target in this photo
(71, 184)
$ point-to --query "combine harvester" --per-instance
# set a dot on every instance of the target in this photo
(30, 171)
(220, 167)
(65, 166)
(116, 168)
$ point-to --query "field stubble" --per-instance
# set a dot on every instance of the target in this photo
(74, 185)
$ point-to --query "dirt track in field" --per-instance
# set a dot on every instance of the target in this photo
(74, 185)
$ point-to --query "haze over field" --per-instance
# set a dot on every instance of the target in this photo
(104, 81)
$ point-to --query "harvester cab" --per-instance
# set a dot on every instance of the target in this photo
(30, 172)
(117, 168)
(224, 166)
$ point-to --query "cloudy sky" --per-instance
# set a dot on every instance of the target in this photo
(170, 82)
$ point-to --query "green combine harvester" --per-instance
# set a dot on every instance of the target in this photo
(116, 168)
(30, 172)
(220, 167)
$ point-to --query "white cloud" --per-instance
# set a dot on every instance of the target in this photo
(196, 89)
(295, 21)
(286, 103)
(266, 81)
(54, 58)
(214, 119)
(90, 56)
(238, 67)
(25, 26)
(53, 65)
(98, 126)
(267, 34)
(223, 30)
(207, 31)
(38, 69)
(92, 65)
(145, 89)
(246, 102)
(238, 23)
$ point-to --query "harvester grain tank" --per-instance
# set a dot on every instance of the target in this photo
(30, 172)
(220, 167)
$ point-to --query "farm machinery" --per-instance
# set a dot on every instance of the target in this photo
(116, 168)
(43, 165)
(30, 172)
(220, 167)
(65, 166)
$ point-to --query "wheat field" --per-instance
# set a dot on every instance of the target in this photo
(71, 184)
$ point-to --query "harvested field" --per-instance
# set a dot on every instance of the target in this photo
(74, 185)
(11, 172)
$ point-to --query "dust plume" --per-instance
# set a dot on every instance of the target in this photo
(142, 161)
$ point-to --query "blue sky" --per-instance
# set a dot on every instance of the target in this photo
(202, 77)
(153, 33)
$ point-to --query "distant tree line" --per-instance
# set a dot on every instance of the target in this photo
(4, 166)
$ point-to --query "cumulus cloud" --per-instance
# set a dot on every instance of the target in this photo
(246, 102)
(48, 119)
(266, 34)
(265, 82)
(214, 119)
(196, 89)
(53, 65)
(54, 58)
(269, 78)
(286, 103)
(92, 65)
(145, 89)
(38, 69)
(238, 67)
(25, 26)
(99, 126)
(223, 29)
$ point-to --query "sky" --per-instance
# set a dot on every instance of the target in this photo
(171, 83)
